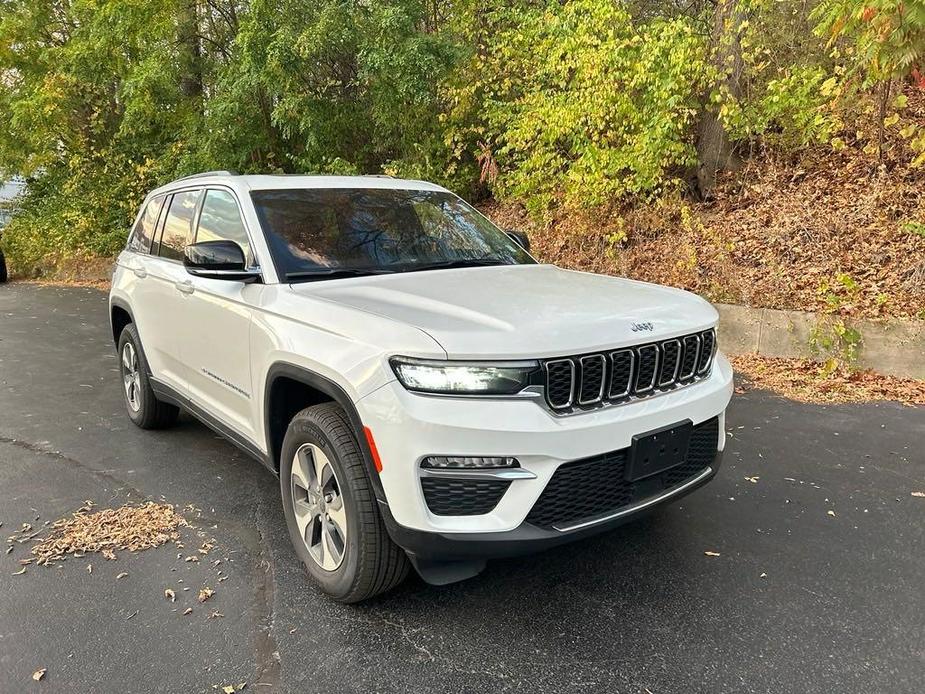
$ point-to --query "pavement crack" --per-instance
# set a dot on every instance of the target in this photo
(406, 635)
(39, 449)
(268, 659)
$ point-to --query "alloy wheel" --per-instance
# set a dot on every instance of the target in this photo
(319, 507)
(131, 377)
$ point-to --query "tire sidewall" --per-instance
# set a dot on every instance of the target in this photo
(129, 335)
(339, 582)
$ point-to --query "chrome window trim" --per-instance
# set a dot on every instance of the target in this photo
(637, 390)
(600, 393)
(629, 381)
(571, 398)
(677, 362)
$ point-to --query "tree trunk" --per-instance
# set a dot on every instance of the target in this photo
(714, 151)
(190, 49)
(884, 103)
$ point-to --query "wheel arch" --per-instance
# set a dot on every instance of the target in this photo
(120, 315)
(289, 389)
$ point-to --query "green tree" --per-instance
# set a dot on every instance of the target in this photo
(888, 38)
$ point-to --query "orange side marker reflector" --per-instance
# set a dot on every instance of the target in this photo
(377, 461)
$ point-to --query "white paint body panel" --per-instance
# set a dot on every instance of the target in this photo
(218, 343)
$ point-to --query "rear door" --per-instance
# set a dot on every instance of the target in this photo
(215, 347)
(167, 287)
(137, 284)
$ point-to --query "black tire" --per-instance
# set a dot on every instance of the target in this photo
(371, 563)
(2, 268)
(151, 413)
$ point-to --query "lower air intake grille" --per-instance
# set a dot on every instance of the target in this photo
(461, 497)
(593, 487)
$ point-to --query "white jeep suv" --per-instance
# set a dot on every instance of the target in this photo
(427, 393)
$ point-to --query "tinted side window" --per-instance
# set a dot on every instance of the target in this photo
(140, 241)
(178, 228)
(221, 221)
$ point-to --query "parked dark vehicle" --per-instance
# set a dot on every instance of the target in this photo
(2, 263)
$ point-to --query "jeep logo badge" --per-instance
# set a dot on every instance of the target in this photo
(639, 327)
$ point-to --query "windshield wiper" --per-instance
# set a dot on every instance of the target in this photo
(461, 262)
(334, 273)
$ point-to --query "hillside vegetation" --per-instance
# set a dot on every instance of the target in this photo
(756, 151)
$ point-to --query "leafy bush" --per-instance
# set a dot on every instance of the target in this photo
(578, 100)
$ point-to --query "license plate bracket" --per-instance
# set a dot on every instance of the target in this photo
(658, 450)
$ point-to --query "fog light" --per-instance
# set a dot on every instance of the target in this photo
(442, 462)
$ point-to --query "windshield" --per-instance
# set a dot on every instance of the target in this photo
(324, 232)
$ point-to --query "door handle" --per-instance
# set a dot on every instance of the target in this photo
(140, 272)
(185, 287)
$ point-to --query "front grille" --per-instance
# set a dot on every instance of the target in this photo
(596, 486)
(593, 380)
(461, 497)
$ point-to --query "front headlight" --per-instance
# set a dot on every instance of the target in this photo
(464, 378)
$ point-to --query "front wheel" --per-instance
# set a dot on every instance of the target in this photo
(331, 510)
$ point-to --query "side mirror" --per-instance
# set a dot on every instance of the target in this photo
(218, 260)
(520, 238)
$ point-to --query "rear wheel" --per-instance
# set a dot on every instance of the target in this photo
(331, 510)
(143, 407)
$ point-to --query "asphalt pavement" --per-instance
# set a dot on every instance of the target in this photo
(819, 585)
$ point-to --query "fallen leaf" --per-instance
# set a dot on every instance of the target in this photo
(205, 594)
(191, 558)
(228, 690)
(216, 615)
(753, 480)
(170, 595)
(122, 575)
(9, 549)
(188, 610)
(831, 513)
(222, 578)
(711, 554)
(109, 554)
(132, 615)
(39, 674)
(20, 572)
(89, 568)
(921, 495)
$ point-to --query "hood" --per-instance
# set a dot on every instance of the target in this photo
(521, 311)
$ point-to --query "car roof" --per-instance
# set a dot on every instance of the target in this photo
(288, 181)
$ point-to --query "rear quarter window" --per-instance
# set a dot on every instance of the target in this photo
(140, 240)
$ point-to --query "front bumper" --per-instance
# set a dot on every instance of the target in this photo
(526, 538)
(408, 427)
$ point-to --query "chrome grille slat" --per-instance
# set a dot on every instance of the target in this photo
(560, 383)
(708, 342)
(647, 359)
(591, 379)
(670, 351)
(691, 357)
(623, 360)
(587, 381)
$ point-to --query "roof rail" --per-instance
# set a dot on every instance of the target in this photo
(222, 172)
